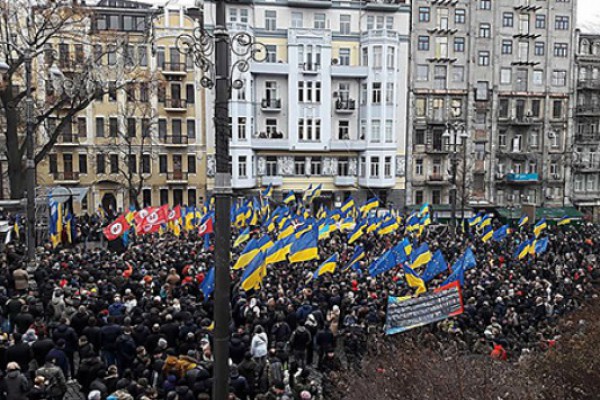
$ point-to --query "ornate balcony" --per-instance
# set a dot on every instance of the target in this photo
(66, 177)
(346, 106)
(177, 177)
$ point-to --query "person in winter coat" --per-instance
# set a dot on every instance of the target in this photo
(89, 369)
(325, 342)
(300, 342)
(41, 348)
(56, 383)
(61, 360)
(24, 320)
(69, 336)
(126, 350)
(250, 369)
(333, 318)
(238, 383)
(15, 385)
(21, 278)
(108, 341)
(259, 345)
(19, 352)
(39, 391)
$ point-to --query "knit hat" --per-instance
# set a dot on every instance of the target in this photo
(94, 395)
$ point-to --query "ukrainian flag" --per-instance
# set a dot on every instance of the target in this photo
(356, 234)
(305, 248)
(348, 205)
(16, 227)
(268, 192)
(328, 266)
(474, 220)
(287, 230)
(303, 230)
(246, 256)
(486, 221)
(242, 237)
(412, 224)
(359, 254)
(347, 224)
(388, 226)
(279, 251)
(407, 246)
(424, 210)
(254, 274)
(523, 249)
(307, 193)
(421, 256)
(539, 227)
(564, 221)
(371, 204)
(290, 198)
(56, 222)
(264, 243)
(414, 280)
(487, 234)
(373, 224)
(524, 220)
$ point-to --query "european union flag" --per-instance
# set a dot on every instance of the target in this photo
(541, 245)
(400, 251)
(436, 266)
(468, 259)
(208, 284)
(458, 274)
(500, 233)
(384, 263)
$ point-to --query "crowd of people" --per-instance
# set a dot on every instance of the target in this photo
(134, 324)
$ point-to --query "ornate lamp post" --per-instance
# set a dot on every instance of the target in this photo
(452, 133)
(202, 45)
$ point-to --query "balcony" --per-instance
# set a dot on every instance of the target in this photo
(349, 71)
(383, 5)
(587, 138)
(270, 105)
(270, 68)
(274, 180)
(175, 105)
(346, 106)
(177, 177)
(174, 141)
(348, 144)
(174, 69)
(436, 148)
(270, 141)
(586, 166)
(588, 84)
(67, 139)
(522, 120)
(437, 179)
(309, 3)
(522, 179)
(310, 68)
(344, 181)
(588, 110)
(66, 177)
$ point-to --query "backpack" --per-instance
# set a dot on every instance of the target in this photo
(73, 391)
(274, 372)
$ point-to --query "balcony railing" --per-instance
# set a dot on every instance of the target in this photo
(522, 178)
(588, 110)
(588, 83)
(270, 104)
(66, 176)
(270, 135)
(175, 104)
(177, 68)
(174, 140)
(177, 176)
(345, 106)
(310, 67)
(438, 177)
(586, 138)
(436, 148)
(68, 139)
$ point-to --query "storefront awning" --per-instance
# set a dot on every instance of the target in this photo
(554, 213)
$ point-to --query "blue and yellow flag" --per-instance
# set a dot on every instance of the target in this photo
(16, 227)
(414, 280)
(328, 266)
(420, 256)
(208, 284)
(247, 254)
(359, 254)
(523, 221)
(501, 233)
(424, 210)
(242, 237)
(305, 248)
(412, 223)
(564, 221)
(487, 234)
(55, 227)
(289, 198)
(436, 266)
(539, 227)
(523, 249)
(371, 204)
(279, 250)
(254, 274)
(268, 192)
(485, 221)
(384, 263)
(390, 225)
(540, 245)
(359, 230)
(475, 220)
(348, 205)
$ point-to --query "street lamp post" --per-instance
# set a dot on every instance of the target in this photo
(452, 133)
(27, 55)
(201, 45)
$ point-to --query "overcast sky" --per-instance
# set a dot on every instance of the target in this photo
(589, 15)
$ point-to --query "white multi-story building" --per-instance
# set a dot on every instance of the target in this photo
(327, 106)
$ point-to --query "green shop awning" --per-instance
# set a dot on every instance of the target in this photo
(554, 213)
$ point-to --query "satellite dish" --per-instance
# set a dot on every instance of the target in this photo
(61, 194)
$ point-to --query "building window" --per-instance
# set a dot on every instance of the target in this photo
(164, 196)
(113, 127)
(146, 164)
(131, 127)
(112, 91)
(422, 72)
(344, 130)
(147, 197)
(391, 57)
(419, 167)
(299, 166)
(319, 21)
(374, 173)
(241, 128)
(344, 56)
(191, 128)
(375, 131)
(132, 163)
(387, 167)
(485, 30)
(424, 14)
(389, 93)
(458, 73)
(540, 21)
(242, 167)
(483, 58)
(503, 108)
(191, 193)
(459, 44)
(561, 23)
(418, 197)
(539, 48)
(460, 16)
(423, 43)
(114, 163)
(52, 164)
(315, 166)
(82, 127)
(297, 19)
(534, 138)
(502, 138)
(559, 78)
(389, 22)
(557, 109)
(271, 125)
(485, 4)
(505, 76)
(376, 93)
(99, 127)
(419, 136)
(162, 163)
(100, 164)
(436, 196)
(363, 167)
(507, 47)
(190, 93)
(389, 131)
(377, 56)
(561, 49)
(83, 165)
(191, 160)
(508, 19)
(270, 20)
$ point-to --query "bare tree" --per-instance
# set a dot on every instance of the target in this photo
(29, 30)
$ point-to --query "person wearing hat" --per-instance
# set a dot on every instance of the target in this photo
(54, 377)
(39, 389)
(15, 385)
(19, 352)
